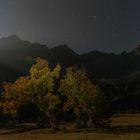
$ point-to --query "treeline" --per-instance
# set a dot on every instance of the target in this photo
(57, 96)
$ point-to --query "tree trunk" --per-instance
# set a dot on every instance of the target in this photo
(52, 119)
(92, 119)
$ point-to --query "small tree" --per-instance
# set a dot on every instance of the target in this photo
(38, 88)
(82, 95)
(41, 88)
(14, 96)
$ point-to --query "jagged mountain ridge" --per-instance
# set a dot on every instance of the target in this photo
(19, 55)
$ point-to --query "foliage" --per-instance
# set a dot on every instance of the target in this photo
(41, 87)
(14, 95)
(82, 95)
(38, 87)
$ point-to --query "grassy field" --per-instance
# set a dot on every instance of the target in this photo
(121, 120)
(69, 136)
(126, 120)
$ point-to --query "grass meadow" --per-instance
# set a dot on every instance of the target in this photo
(69, 136)
(120, 123)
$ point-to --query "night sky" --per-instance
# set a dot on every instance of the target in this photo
(104, 25)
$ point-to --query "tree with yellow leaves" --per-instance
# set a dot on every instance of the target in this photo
(38, 88)
(82, 95)
(14, 95)
(41, 87)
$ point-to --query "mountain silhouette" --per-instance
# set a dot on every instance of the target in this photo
(18, 55)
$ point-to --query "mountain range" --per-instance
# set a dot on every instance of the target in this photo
(16, 57)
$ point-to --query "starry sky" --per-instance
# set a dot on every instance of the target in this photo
(84, 25)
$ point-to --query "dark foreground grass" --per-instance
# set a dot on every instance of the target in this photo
(38, 135)
(124, 127)
(84, 134)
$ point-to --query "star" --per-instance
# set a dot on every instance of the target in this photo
(109, 17)
(113, 34)
(94, 16)
(14, 2)
(73, 13)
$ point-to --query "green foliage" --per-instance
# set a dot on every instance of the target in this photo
(41, 85)
(82, 95)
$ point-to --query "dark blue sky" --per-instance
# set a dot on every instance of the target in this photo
(104, 25)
